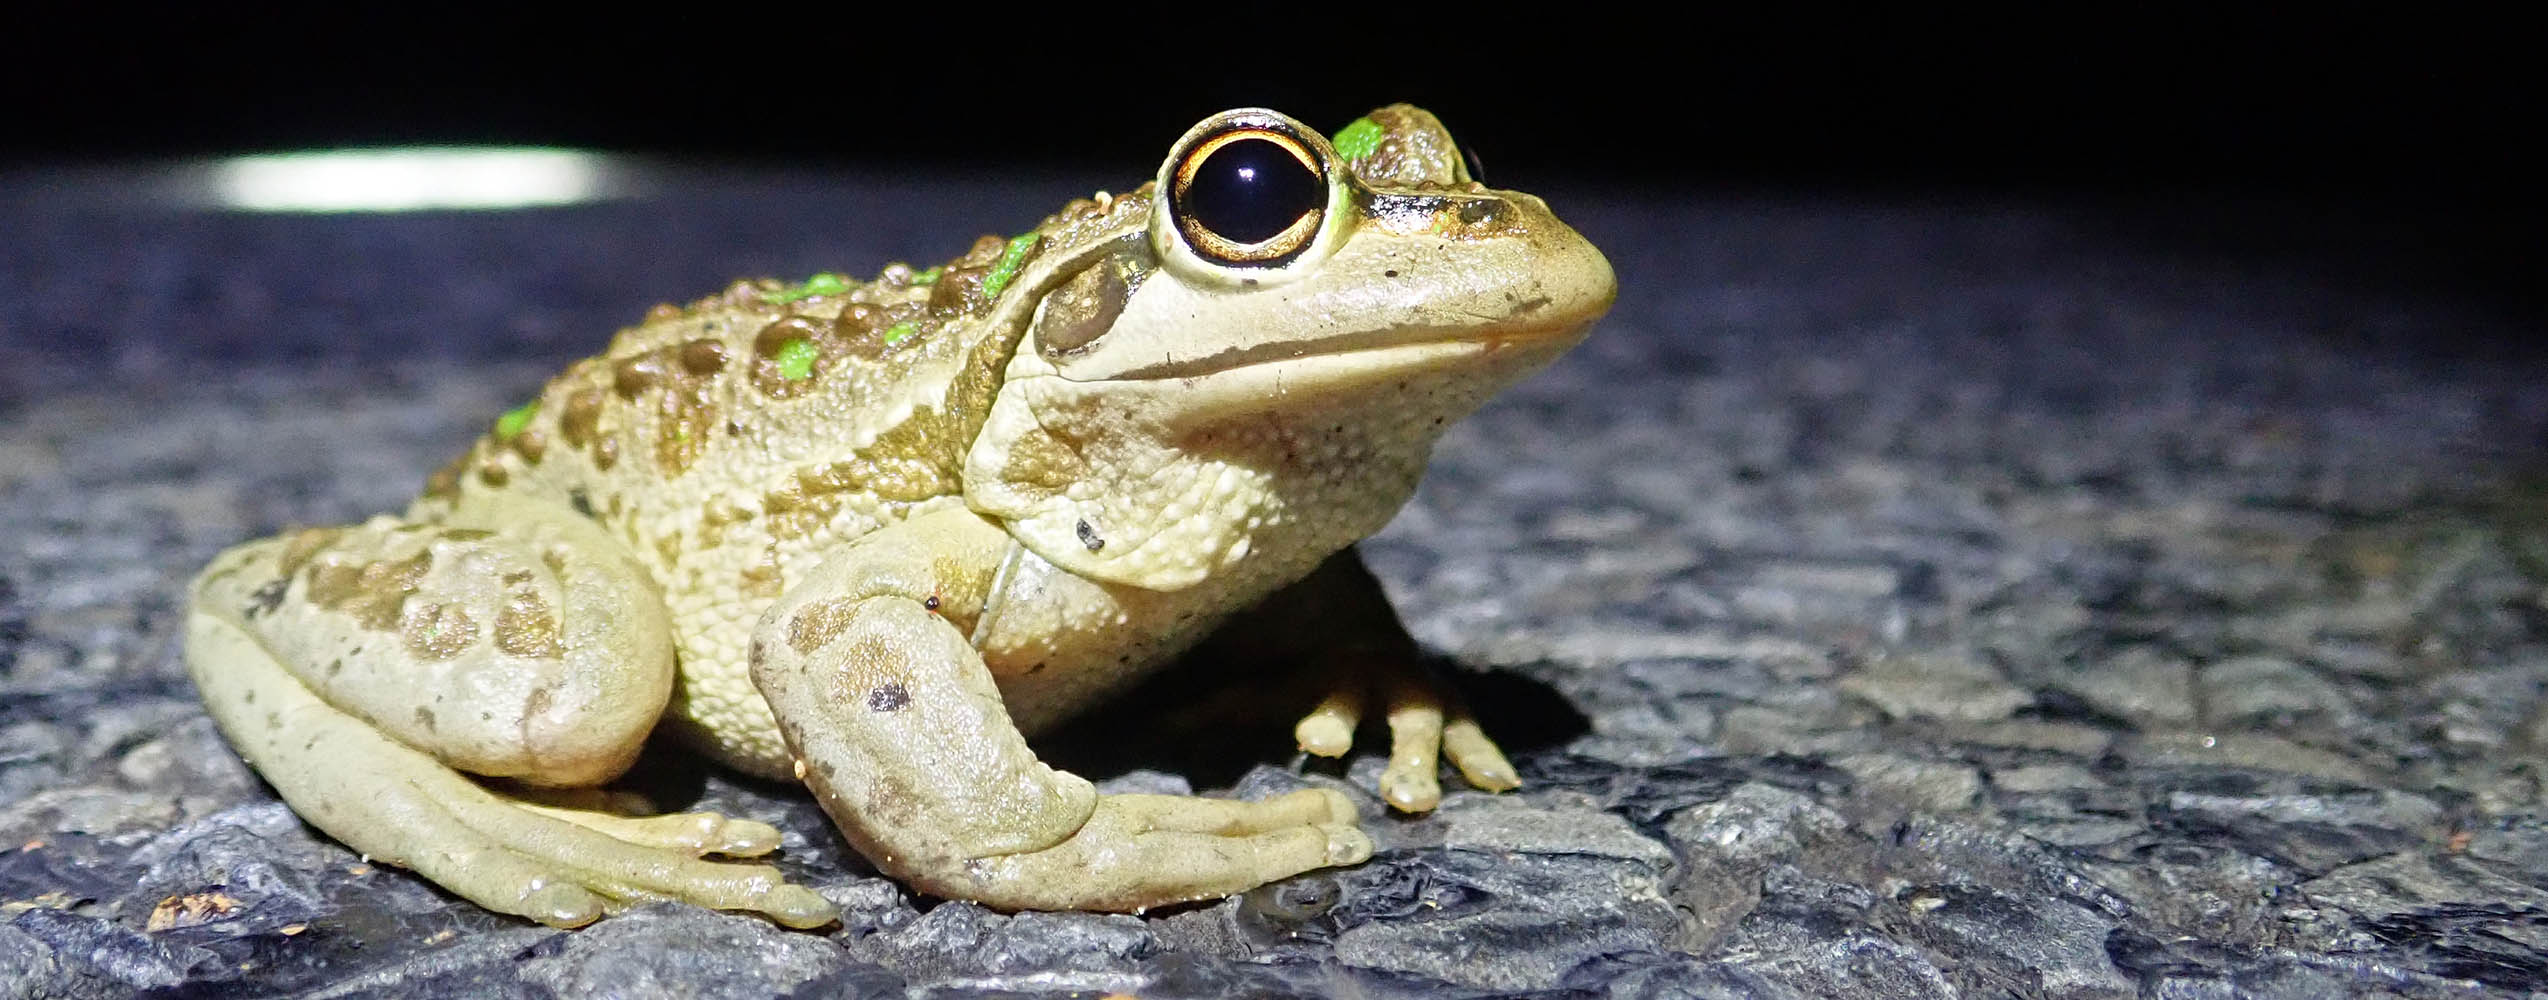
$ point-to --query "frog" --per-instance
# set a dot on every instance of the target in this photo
(872, 536)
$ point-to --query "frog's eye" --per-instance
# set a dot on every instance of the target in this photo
(1251, 194)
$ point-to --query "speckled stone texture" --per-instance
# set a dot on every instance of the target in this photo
(1890, 600)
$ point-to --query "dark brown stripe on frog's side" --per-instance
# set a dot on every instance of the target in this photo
(675, 381)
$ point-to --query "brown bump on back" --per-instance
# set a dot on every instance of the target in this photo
(788, 355)
(631, 377)
(582, 417)
(493, 473)
(530, 445)
(703, 357)
(663, 312)
(606, 453)
(871, 331)
(959, 289)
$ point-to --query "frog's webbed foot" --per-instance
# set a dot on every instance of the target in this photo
(1425, 725)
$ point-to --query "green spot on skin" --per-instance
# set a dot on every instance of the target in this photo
(1357, 140)
(1006, 269)
(899, 332)
(796, 359)
(513, 420)
(930, 276)
(825, 283)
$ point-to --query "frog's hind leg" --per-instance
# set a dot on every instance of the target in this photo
(355, 668)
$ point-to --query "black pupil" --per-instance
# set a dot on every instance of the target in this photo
(1250, 190)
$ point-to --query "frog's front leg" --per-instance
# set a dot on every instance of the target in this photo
(900, 730)
(356, 667)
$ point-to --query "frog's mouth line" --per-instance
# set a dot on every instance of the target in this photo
(1370, 346)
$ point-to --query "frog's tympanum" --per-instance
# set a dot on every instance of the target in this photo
(868, 536)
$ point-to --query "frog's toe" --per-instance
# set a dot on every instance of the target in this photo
(696, 833)
(539, 857)
(559, 904)
(1328, 730)
(1235, 818)
(1410, 782)
(1425, 727)
(1476, 755)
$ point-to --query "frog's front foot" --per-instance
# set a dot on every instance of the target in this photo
(1425, 726)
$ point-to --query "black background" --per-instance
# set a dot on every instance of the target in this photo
(2405, 129)
(2338, 102)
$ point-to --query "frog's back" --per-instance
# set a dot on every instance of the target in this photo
(732, 441)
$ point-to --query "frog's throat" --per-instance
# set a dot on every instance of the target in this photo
(1251, 473)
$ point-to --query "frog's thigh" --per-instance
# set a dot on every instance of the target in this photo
(539, 653)
(899, 729)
